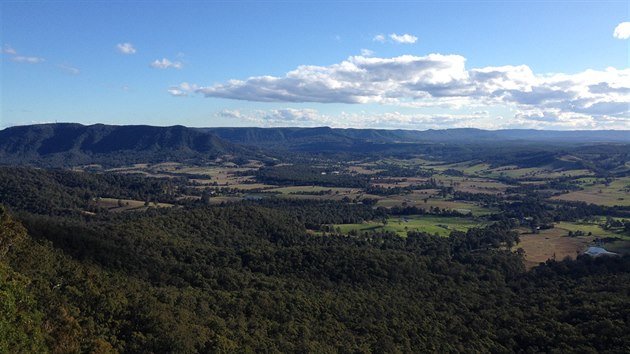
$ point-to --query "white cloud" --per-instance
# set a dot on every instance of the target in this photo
(556, 119)
(232, 114)
(292, 116)
(280, 117)
(391, 120)
(379, 38)
(396, 38)
(356, 80)
(21, 58)
(441, 81)
(126, 48)
(366, 52)
(532, 118)
(25, 59)
(182, 90)
(622, 31)
(165, 64)
(403, 38)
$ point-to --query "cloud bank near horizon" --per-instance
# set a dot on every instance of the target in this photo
(591, 98)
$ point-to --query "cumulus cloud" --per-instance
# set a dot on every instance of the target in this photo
(528, 118)
(622, 31)
(396, 38)
(366, 52)
(379, 38)
(556, 119)
(403, 38)
(393, 120)
(182, 90)
(280, 117)
(356, 80)
(165, 64)
(126, 48)
(437, 80)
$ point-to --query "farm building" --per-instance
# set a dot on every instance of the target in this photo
(598, 251)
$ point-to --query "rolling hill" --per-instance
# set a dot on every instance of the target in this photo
(71, 144)
(300, 137)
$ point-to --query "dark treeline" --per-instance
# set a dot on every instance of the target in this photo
(415, 210)
(59, 191)
(558, 210)
(396, 190)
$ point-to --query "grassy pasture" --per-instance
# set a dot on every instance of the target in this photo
(477, 168)
(594, 229)
(533, 172)
(472, 184)
(399, 182)
(417, 198)
(598, 193)
(540, 247)
(128, 204)
(549, 243)
(416, 161)
(312, 189)
(442, 226)
(460, 166)
(249, 186)
(363, 170)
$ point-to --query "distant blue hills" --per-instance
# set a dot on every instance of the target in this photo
(72, 143)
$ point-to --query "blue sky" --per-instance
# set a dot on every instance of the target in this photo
(410, 65)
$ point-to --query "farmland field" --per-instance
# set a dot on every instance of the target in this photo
(442, 226)
(478, 178)
(118, 205)
(595, 229)
(417, 199)
(556, 241)
(615, 193)
(551, 244)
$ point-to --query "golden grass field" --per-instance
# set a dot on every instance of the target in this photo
(550, 244)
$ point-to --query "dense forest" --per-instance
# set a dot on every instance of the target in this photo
(251, 277)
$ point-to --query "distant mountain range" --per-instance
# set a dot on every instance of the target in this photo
(58, 144)
(306, 136)
(70, 144)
